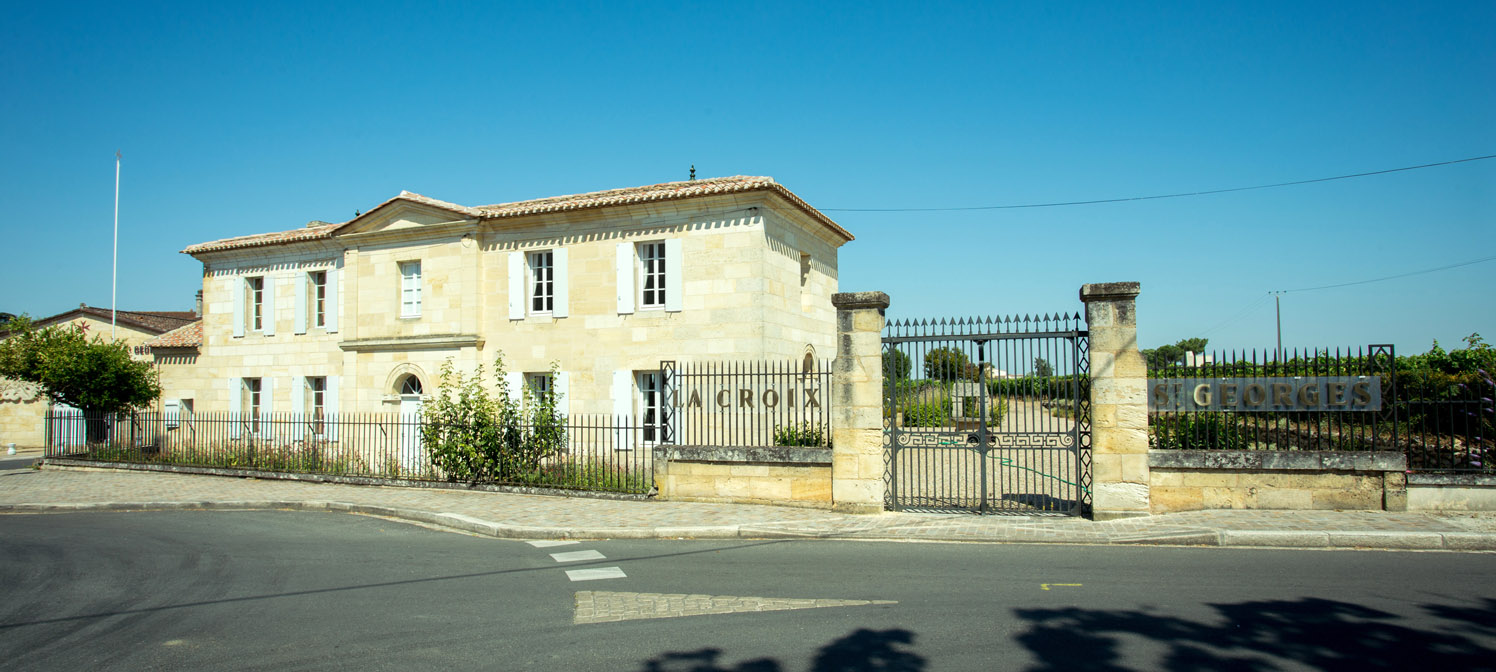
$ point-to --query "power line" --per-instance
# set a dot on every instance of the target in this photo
(1390, 277)
(1256, 304)
(1150, 198)
(1243, 313)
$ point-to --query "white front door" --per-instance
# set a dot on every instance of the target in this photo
(412, 457)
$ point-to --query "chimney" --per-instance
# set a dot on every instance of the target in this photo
(197, 306)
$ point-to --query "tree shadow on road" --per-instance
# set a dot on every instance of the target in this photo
(1262, 635)
(863, 649)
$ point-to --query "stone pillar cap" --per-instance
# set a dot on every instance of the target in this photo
(853, 300)
(1110, 291)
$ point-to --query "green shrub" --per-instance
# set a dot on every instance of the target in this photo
(805, 434)
(1198, 431)
(929, 413)
(478, 438)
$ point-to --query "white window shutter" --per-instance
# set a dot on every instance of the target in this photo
(236, 404)
(514, 382)
(267, 407)
(332, 303)
(298, 407)
(625, 277)
(562, 389)
(517, 287)
(300, 287)
(330, 402)
(170, 412)
(269, 322)
(559, 272)
(623, 410)
(673, 282)
(240, 288)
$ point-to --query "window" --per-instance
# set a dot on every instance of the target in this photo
(652, 275)
(254, 297)
(652, 408)
(542, 281)
(410, 289)
(316, 403)
(540, 384)
(251, 401)
(318, 302)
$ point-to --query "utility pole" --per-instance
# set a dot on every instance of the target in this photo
(1278, 308)
(114, 277)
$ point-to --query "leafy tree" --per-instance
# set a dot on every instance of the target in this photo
(93, 376)
(947, 364)
(1195, 345)
(1042, 368)
(896, 364)
(1165, 355)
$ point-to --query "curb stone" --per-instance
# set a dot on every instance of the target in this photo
(1275, 539)
(1283, 539)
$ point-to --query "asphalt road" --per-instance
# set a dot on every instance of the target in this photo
(296, 590)
(8, 462)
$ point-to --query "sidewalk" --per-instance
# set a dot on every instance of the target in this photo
(521, 516)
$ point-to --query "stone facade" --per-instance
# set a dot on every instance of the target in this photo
(779, 475)
(1119, 403)
(749, 273)
(858, 454)
(1191, 480)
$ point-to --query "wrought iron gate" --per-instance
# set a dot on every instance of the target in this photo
(988, 415)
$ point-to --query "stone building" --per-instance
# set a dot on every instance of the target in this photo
(358, 317)
(22, 405)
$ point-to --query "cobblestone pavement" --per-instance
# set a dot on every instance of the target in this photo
(525, 516)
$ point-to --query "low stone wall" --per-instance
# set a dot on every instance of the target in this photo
(783, 476)
(1191, 480)
(1451, 492)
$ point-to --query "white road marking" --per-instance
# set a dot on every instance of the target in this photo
(595, 574)
(547, 543)
(578, 556)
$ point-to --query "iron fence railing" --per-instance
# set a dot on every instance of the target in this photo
(1353, 399)
(596, 452)
(1258, 400)
(988, 414)
(750, 403)
(1447, 425)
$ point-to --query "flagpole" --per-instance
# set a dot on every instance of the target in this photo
(114, 277)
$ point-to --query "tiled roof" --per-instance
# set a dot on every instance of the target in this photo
(190, 336)
(598, 199)
(154, 321)
(258, 239)
(668, 191)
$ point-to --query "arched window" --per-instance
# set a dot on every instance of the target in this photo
(410, 386)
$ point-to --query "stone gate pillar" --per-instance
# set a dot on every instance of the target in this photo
(1119, 402)
(857, 403)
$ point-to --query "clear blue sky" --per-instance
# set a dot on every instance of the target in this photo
(238, 118)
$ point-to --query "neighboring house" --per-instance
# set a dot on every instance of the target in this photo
(358, 317)
(23, 407)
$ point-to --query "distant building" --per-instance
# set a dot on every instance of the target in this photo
(23, 407)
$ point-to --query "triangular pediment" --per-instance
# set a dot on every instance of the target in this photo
(406, 211)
